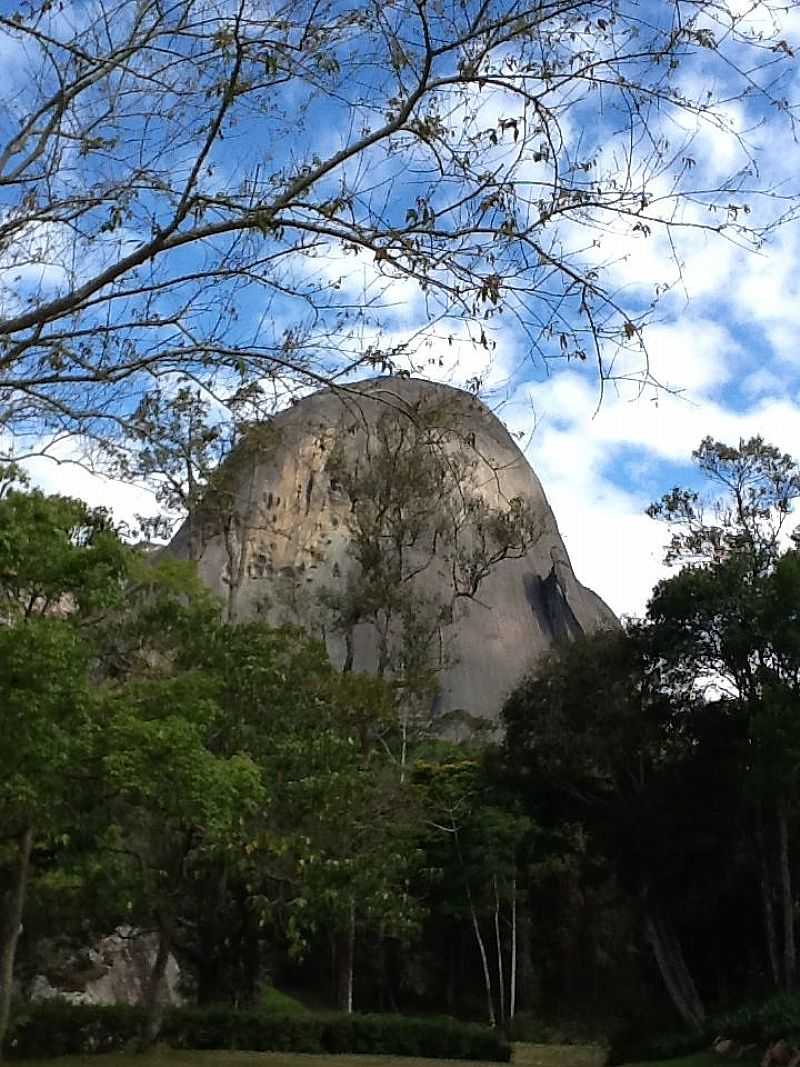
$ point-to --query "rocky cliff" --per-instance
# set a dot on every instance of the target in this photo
(285, 535)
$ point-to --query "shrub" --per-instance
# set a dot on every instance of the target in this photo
(399, 1035)
(778, 1017)
(231, 1028)
(58, 1028)
(751, 1024)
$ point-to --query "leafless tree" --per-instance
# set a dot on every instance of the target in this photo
(187, 187)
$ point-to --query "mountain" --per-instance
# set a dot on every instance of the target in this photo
(424, 483)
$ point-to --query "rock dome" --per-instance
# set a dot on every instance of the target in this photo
(282, 533)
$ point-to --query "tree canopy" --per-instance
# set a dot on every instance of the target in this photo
(188, 189)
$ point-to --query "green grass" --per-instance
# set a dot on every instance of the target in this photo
(697, 1059)
(169, 1058)
(280, 1003)
(525, 1055)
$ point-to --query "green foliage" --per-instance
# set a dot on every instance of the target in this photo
(756, 1023)
(753, 488)
(415, 510)
(396, 1035)
(57, 1028)
(228, 1028)
(45, 698)
(57, 553)
(637, 1043)
(760, 1023)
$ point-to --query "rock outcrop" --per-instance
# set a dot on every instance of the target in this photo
(115, 970)
(277, 532)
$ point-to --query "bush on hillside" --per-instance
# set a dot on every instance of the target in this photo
(276, 1002)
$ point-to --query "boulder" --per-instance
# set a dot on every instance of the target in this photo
(779, 1054)
(113, 971)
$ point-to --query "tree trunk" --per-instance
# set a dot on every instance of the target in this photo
(403, 744)
(501, 978)
(345, 958)
(209, 979)
(380, 959)
(236, 552)
(787, 903)
(11, 926)
(675, 973)
(767, 901)
(512, 979)
(452, 965)
(526, 981)
(153, 998)
(487, 978)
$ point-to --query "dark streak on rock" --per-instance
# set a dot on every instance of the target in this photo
(309, 491)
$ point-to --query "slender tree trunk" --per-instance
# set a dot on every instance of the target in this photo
(345, 960)
(675, 973)
(153, 998)
(527, 989)
(403, 744)
(787, 903)
(380, 966)
(11, 926)
(236, 552)
(487, 978)
(450, 992)
(501, 978)
(767, 901)
(347, 666)
(512, 980)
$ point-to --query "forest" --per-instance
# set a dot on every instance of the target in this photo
(624, 848)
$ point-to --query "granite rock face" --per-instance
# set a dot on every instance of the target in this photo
(277, 532)
(115, 970)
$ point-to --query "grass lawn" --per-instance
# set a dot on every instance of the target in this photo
(524, 1056)
(527, 1055)
(697, 1059)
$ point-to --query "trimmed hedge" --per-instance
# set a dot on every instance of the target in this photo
(230, 1028)
(57, 1028)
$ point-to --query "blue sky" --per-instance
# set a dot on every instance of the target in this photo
(723, 348)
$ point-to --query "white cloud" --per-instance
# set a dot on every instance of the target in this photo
(582, 455)
(61, 472)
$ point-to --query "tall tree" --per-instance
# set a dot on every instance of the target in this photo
(598, 738)
(62, 568)
(173, 799)
(476, 842)
(45, 697)
(727, 622)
